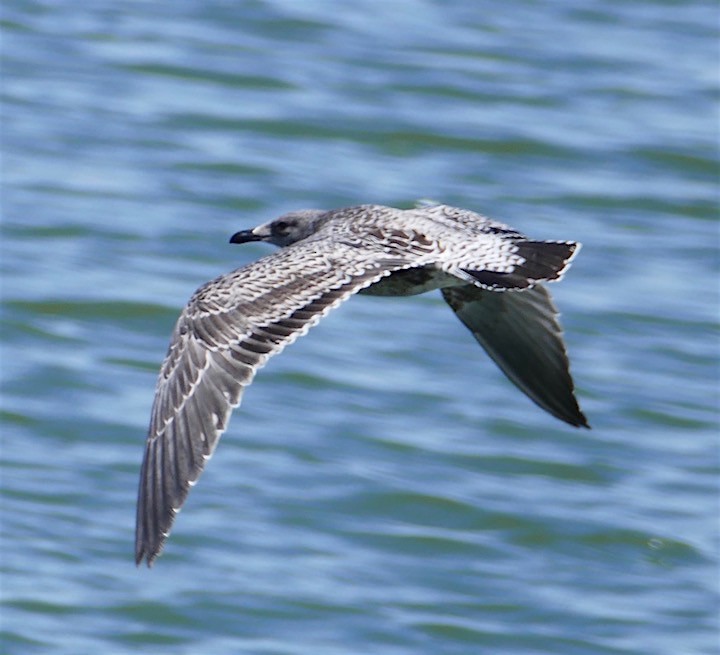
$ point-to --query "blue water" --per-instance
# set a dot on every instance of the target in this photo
(383, 489)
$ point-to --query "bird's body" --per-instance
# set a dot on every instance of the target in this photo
(489, 274)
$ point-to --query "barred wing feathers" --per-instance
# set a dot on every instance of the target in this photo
(229, 329)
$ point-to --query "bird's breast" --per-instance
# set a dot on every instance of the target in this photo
(412, 281)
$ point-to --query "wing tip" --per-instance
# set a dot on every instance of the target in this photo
(565, 407)
(148, 552)
(578, 420)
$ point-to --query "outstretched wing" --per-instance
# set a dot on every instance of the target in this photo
(229, 329)
(521, 332)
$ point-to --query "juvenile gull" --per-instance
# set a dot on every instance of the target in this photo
(488, 273)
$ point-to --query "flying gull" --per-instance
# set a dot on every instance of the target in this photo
(489, 274)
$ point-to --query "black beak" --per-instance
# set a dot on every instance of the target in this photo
(244, 236)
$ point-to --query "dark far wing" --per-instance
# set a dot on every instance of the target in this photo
(521, 333)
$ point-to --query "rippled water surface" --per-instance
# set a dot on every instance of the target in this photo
(383, 489)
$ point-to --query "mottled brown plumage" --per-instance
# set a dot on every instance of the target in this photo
(488, 272)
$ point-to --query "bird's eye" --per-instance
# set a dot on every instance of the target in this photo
(281, 227)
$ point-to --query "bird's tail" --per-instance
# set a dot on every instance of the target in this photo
(543, 261)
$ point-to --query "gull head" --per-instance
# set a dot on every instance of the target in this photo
(285, 230)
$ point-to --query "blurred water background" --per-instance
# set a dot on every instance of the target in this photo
(383, 489)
